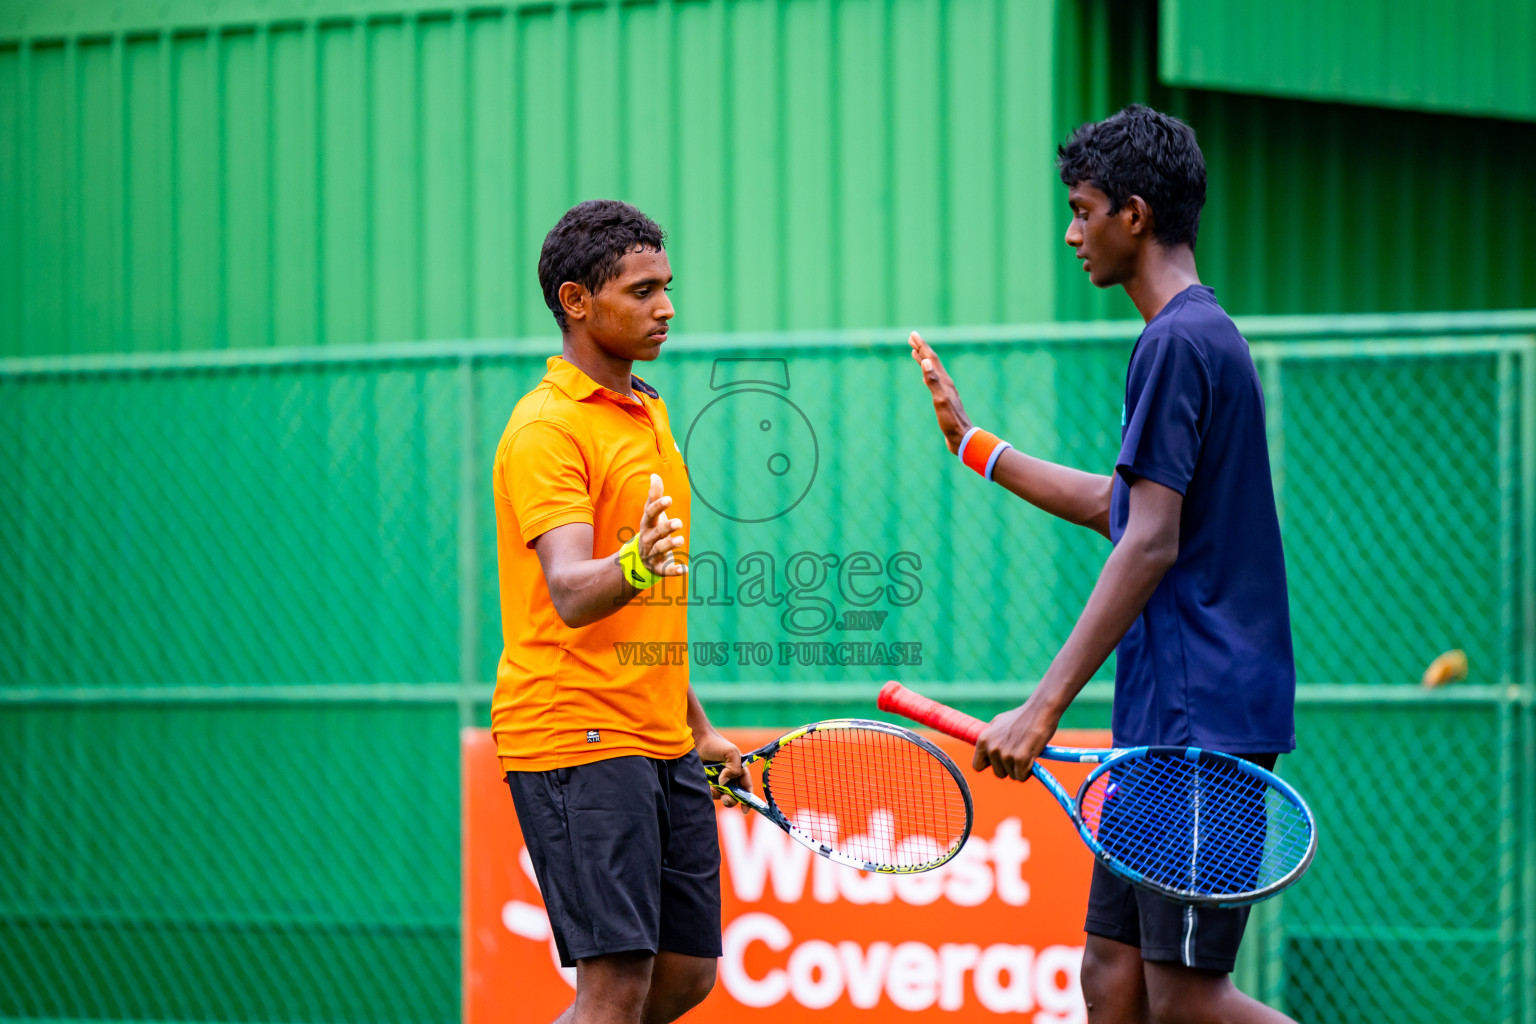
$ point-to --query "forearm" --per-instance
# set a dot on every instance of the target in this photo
(1147, 550)
(586, 591)
(1130, 575)
(1070, 494)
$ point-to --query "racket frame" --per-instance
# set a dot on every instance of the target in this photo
(966, 727)
(770, 810)
(1106, 761)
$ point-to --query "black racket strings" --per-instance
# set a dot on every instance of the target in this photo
(1203, 827)
(866, 793)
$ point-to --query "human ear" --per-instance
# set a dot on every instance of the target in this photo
(575, 300)
(1138, 215)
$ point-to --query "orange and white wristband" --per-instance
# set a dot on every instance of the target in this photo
(979, 450)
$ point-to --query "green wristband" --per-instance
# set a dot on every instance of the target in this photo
(636, 571)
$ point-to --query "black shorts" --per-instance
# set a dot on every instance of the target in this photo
(626, 853)
(1165, 931)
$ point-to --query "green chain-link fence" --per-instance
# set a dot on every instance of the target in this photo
(247, 599)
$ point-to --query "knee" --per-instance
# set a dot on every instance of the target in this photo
(1095, 974)
(1163, 1007)
(704, 984)
(1104, 976)
(698, 984)
(1111, 981)
(616, 987)
(1188, 996)
(679, 993)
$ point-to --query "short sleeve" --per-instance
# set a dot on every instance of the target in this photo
(1168, 399)
(547, 479)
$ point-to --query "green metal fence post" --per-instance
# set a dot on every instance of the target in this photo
(469, 541)
(1511, 645)
(1527, 597)
(1273, 989)
(1268, 922)
(1509, 867)
(1527, 809)
(1274, 423)
(1528, 508)
(1261, 959)
(1510, 705)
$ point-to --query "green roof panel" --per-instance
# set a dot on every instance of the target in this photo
(1452, 56)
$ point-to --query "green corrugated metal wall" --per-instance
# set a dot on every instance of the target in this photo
(240, 178)
(1454, 55)
(1316, 207)
(365, 179)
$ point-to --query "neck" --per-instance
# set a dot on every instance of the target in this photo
(591, 359)
(1163, 273)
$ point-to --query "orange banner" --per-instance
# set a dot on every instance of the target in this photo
(996, 932)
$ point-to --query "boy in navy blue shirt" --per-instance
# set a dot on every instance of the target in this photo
(1193, 597)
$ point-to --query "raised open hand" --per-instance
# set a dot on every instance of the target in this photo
(946, 398)
(658, 536)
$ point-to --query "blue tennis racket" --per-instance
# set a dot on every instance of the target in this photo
(1197, 826)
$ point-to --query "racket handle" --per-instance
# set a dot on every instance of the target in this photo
(898, 699)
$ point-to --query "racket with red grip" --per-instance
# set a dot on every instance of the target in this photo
(1197, 826)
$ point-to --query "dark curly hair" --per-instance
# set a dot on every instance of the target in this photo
(587, 245)
(1141, 152)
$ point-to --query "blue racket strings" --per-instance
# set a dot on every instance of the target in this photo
(1200, 827)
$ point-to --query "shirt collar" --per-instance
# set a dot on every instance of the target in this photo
(570, 378)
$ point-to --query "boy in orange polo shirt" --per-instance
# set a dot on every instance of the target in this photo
(602, 757)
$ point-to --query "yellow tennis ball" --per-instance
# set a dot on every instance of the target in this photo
(1450, 667)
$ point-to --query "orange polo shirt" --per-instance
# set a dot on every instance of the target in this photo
(576, 452)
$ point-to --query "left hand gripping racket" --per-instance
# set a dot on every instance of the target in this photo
(1197, 826)
(868, 795)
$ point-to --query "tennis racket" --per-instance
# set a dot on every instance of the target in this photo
(1197, 826)
(868, 795)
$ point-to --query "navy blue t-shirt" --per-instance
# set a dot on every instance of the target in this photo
(1208, 663)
